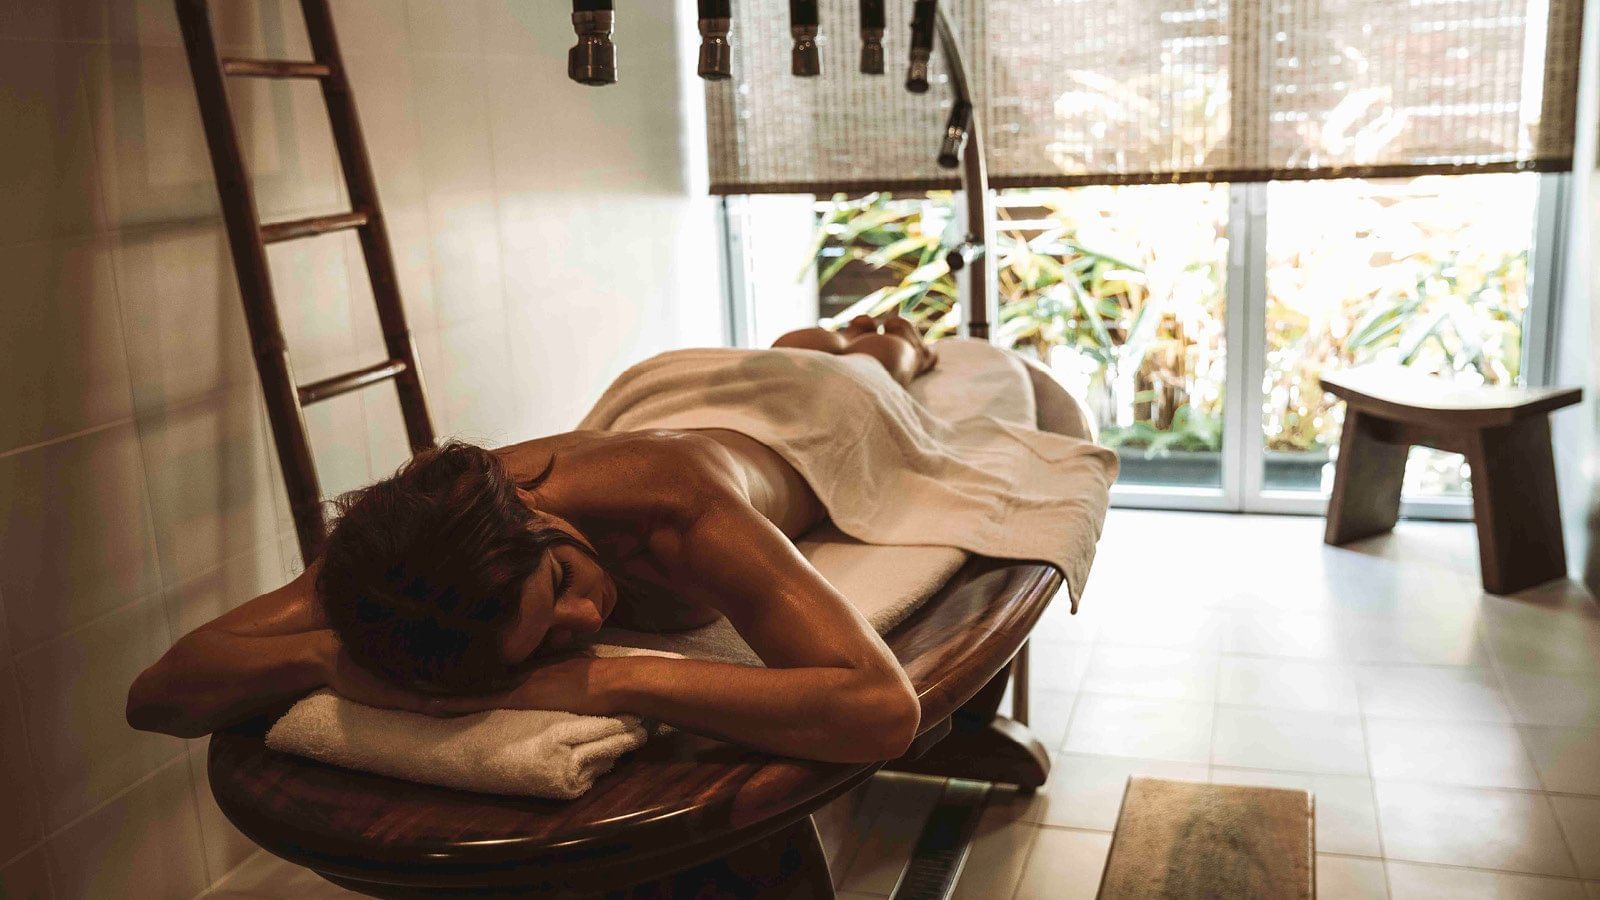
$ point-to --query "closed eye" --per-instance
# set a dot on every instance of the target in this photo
(566, 577)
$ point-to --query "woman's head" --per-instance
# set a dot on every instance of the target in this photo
(441, 579)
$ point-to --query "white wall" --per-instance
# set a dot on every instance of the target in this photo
(1576, 432)
(780, 282)
(548, 236)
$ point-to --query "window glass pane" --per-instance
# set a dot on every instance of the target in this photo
(1137, 326)
(1428, 272)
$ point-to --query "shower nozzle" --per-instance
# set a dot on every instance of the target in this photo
(716, 54)
(955, 135)
(805, 59)
(873, 22)
(922, 25)
(593, 60)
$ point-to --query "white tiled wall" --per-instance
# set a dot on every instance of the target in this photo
(547, 236)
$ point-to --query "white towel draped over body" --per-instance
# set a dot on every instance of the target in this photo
(954, 465)
(888, 469)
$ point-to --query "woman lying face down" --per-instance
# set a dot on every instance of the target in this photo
(472, 578)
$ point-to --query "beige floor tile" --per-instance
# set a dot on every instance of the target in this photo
(1049, 713)
(887, 844)
(1347, 821)
(1194, 629)
(1343, 878)
(1593, 889)
(999, 849)
(1492, 829)
(1292, 635)
(1059, 668)
(1152, 729)
(1287, 684)
(1545, 698)
(1407, 640)
(1153, 672)
(1086, 791)
(1288, 740)
(1431, 693)
(1064, 865)
(1413, 882)
(1580, 821)
(1458, 753)
(1568, 759)
(1551, 644)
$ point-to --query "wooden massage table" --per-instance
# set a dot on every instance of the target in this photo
(684, 815)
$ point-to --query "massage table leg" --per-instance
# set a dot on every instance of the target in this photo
(1019, 686)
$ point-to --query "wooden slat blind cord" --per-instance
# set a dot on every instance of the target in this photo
(248, 237)
(1155, 91)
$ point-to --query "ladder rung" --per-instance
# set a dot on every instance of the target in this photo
(287, 231)
(275, 68)
(329, 388)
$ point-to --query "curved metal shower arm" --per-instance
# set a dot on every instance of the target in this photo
(962, 146)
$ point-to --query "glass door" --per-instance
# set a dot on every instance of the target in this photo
(1433, 273)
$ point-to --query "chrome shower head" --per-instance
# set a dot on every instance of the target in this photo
(805, 59)
(923, 15)
(593, 60)
(873, 22)
(716, 54)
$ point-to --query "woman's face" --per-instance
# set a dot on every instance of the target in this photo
(567, 597)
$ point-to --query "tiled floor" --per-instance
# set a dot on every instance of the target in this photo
(1452, 738)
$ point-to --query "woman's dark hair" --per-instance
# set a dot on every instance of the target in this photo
(422, 573)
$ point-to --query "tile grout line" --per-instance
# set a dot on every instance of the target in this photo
(1035, 830)
(1372, 790)
(98, 807)
(1522, 742)
(71, 436)
(32, 758)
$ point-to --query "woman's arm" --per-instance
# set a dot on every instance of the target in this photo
(831, 713)
(831, 689)
(256, 657)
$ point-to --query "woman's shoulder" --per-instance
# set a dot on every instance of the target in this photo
(663, 469)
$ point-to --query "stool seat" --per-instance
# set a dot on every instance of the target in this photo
(1504, 432)
(1408, 395)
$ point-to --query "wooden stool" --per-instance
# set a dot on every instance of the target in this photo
(1503, 432)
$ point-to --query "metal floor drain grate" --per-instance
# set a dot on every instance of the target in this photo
(941, 849)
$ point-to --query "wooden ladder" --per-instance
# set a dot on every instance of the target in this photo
(248, 238)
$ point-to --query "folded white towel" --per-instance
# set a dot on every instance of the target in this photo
(502, 751)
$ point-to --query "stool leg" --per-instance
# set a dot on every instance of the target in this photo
(1366, 481)
(1516, 507)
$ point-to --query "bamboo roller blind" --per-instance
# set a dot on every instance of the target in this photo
(1076, 92)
